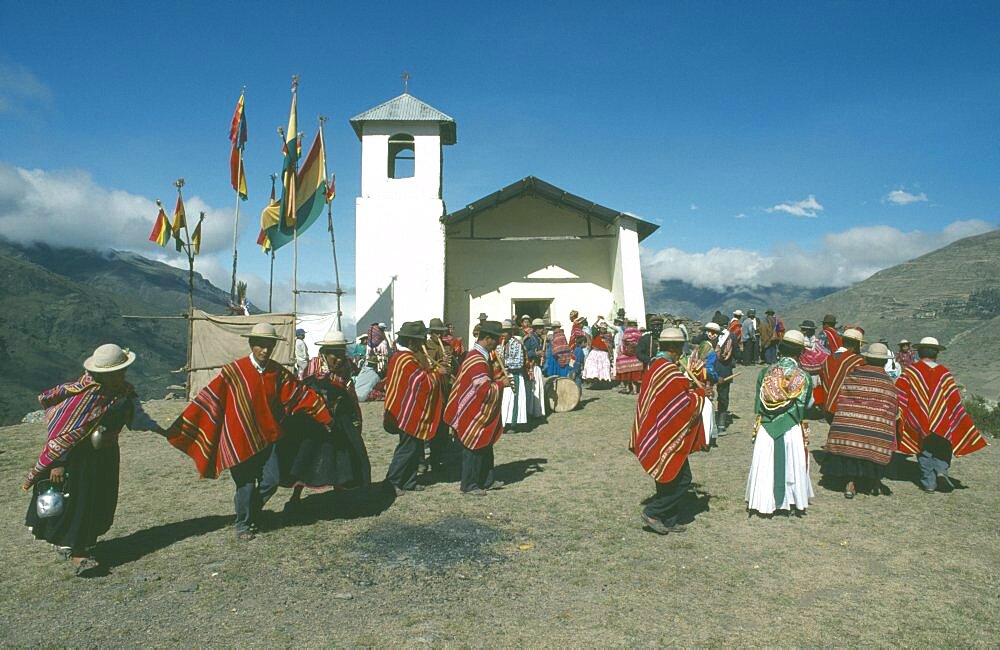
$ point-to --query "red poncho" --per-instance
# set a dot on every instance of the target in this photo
(474, 404)
(832, 374)
(413, 396)
(668, 423)
(929, 403)
(833, 338)
(239, 413)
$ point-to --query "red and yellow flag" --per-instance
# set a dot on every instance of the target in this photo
(238, 136)
(196, 240)
(161, 229)
(180, 221)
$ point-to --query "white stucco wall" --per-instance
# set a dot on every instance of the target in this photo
(399, 245)
(627, 283)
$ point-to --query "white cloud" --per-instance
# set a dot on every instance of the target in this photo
(808, 207)
(842, 259)
(741, 215)
(20, 90)
(902, 197)
(694, 207)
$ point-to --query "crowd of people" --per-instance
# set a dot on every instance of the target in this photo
(271, 427)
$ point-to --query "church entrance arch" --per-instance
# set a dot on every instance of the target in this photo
(533, 307)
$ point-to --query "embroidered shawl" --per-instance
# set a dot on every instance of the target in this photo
(668, 424)
(930, 403)
(864, 424)
(474, 404)
(413, 396)
(783, 391)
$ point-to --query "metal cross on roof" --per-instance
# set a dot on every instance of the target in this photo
(406, 82)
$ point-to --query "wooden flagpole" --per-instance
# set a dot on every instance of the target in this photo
(236, 219)
(329, 226)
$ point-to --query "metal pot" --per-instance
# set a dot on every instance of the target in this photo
(50, 503)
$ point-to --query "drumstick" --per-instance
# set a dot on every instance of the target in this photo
(729, 378)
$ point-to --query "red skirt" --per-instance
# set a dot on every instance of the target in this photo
(635, 375)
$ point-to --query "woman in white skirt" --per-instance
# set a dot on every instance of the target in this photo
(597, 366)
(779, 471)
(514, 408)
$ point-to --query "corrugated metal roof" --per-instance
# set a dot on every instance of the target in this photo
(531, 185)
(407, 108)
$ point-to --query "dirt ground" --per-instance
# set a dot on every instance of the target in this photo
(556, 558)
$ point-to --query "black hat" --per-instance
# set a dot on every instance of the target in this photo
(412, 329)
(751, 312)
(437, 325)
(490, 328)
(769, 311)
(807, 325)
(830, 318)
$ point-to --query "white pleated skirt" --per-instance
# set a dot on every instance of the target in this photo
(597, 366)
(536, 393)
(708, 420)
(760, 483)
(515, 403)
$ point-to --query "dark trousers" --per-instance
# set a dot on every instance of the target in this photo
(256, 481)
(771, 353)
(405, 460)
(750, 352)
(664, 506)
(723, 405)
(438, 447)
(477, 468)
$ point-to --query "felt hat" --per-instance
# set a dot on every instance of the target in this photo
(556, 323)
(507, 324)
(876, 351)
(929, 342)
(903, 342)
(737, 312)
(712, 326)
(751, 312)
(109, 358)
(807, 325)
(538, 322)
(333, 338)
(300, 332)
(262, 331)
(490, 328)
(414, 329)
(483, 316)
(794, 337)
(437, 325)
(830, 318)
(672, 335)
(769, 311)
(854, 334)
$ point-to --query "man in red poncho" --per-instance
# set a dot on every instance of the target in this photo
(413, 403)
(474, 410)
(668, 426)
(934, 422)
(232, 423)
(835, 369)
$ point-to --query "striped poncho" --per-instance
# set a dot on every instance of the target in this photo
(239, 413)
(930, 404)
(668, 424)
(832, 374)
(413, 399)
(864, 423)
(72, 412)
(474, 404)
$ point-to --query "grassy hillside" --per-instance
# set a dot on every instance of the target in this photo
(59, 304)
(952, 293)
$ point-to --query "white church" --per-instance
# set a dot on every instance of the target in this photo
(529, 248)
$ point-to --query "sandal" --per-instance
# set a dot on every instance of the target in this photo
(86, 567)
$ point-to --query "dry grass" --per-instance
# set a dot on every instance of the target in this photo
(556, 558)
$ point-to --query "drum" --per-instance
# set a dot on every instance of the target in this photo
(561, 394)
(708, 420)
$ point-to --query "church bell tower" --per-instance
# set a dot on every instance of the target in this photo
(399, 238)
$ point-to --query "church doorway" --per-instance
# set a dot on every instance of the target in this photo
(535, 308)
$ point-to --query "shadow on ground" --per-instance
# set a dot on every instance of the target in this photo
(518, 470)
(695, 501)
(123, 550)
(432, 546)
(334, 504)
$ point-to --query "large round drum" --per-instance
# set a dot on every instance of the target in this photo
(561, 394)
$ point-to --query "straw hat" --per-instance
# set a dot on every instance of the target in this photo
(929, 342)
(794, 337)
(263, 331)
(904, 342)
(672, 335)
(538, 322)
(109, 358)
(878, 351)
(737, 312)
(712, 326)
(556, 323)
(854, 334)
(333, 338)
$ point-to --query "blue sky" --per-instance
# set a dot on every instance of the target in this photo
(767, 139)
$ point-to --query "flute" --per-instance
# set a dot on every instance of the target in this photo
(433, 365)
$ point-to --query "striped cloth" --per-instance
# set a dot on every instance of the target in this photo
(626, 361)
(413, 396)
(560, 348)
(929, 403)
(474, 404)
(864, 423)
(72, 411)
(239, 413)
(668, 424)
(832, 374)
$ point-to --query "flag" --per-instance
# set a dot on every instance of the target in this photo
(291, 151)
(161, 229)
(196, 239)
(331, 191)
(310, 193)
(179, 223)
(270, 216)
(238, 136)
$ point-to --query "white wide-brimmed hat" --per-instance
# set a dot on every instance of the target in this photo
(854, 334)
(109, 358)
(556, 323)
(904, 342)
(538, 322)
(333, 338)
(737, 312)
(712, 326)
(878, 351)
(263, 331)
(672, 335)
(794, 337)
(929, 342)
